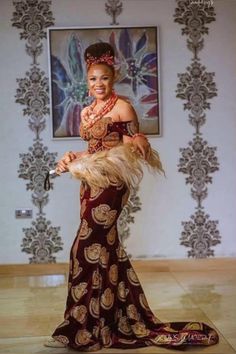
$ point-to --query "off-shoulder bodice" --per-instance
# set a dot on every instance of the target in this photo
(106, 134)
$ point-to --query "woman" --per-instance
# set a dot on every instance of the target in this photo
(106, 305)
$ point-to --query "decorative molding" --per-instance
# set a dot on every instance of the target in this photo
(198, 160)
(114, 9)
(33, 17)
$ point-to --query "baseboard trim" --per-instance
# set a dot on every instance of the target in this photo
(144, 265)
(33, 269)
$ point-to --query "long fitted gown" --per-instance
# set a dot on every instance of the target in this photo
(106, 305)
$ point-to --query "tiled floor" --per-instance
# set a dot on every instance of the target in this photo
(31, 306)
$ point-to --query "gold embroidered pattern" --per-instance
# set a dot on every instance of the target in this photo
(111, 140)
(96, 331)
(103, 215)
(143, 301)
(124, 326)
(133, 279)
(113, 274)
(92, 253)
(193, 326)
(84, 231)
(167, 328)
(93, 144)
(99, 129)
(116, 182)
(106, 336)
(127, 341)
(140, 329)
(104, 135)
(133, 313)
(111, 236)
(94, 307)
(84, 133)
(102, 322)
(82, 337)
(96, 280)
(104, 257)
(83, 208)
(62, 339)
(76, 269)
(107, 299)
(95, 192)
(78, 291)
(122, 291)
(79, 313)
(121, 254)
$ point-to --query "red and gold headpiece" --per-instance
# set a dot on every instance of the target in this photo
(105, 58)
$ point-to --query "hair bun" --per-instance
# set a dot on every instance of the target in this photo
(100, 52)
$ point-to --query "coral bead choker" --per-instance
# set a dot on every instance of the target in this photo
(90, 117)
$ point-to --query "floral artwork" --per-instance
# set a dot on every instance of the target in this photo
(137, 74)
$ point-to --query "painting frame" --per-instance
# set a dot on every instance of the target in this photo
(137, 63)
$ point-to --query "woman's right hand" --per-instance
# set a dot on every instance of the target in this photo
(62, 165)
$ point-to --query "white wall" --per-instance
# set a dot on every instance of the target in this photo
(166, 202)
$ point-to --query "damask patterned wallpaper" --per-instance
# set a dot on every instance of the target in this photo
(41, 240)
(198, 161)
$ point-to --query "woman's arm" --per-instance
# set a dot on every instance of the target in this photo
(127, 113)
(68, 157)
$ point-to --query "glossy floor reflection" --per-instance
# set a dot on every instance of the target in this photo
(31, 306)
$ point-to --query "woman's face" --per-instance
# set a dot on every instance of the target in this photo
(100, 81)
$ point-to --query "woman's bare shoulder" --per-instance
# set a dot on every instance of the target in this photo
(126, 110)
(123, 102)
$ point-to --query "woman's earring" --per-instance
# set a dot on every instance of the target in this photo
(89, 93)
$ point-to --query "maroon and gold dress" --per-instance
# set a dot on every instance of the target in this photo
(106, 305)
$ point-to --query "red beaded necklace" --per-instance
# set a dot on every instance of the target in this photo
(90, 117)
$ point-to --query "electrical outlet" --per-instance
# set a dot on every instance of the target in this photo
(23, 213)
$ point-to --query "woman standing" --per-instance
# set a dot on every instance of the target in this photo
(106, 305)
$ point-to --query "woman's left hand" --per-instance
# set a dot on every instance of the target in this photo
(143, 146)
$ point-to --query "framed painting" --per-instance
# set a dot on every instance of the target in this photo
(137, 79)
